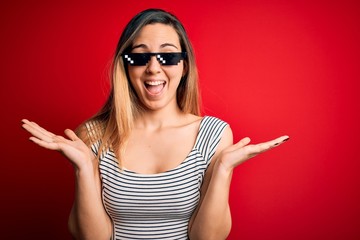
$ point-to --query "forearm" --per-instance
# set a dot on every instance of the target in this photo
(88, 218)
(213, 219)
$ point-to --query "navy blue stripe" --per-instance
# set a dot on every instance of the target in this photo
(158, 206)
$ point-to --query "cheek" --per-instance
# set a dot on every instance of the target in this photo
(134, 74)
(177, 72)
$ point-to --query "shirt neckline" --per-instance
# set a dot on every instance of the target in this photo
(179, 165)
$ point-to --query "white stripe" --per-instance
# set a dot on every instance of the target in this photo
(157, 206)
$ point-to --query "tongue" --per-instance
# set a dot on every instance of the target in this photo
(155, 89)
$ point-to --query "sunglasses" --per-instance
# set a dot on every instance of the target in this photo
(165, 59)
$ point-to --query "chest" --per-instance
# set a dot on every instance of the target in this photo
(159, 151)
(158, 203)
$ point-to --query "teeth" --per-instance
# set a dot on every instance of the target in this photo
(154, 83)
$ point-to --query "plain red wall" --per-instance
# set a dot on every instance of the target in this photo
(266, 67)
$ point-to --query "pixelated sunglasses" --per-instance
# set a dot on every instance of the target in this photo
(165, 59)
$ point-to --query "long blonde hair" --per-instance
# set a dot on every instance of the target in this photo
(112, 125)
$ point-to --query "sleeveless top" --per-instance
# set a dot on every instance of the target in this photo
(157, 206)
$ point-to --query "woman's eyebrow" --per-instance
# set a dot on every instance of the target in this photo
(141, 45)
(168, 45)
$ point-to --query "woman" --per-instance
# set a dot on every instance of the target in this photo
(147, 165)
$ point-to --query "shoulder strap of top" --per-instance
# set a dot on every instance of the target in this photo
(209, 136)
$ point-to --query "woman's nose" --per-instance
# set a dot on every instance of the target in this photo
(153, 66)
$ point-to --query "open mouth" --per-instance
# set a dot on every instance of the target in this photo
(154, 87)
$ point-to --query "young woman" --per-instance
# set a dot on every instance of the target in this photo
(148, 166)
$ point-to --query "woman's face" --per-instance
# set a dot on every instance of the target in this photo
(156, 84)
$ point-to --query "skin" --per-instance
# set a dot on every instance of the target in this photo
(157, 38)
(162, 126)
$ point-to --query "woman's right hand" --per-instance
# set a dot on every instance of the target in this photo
(72, 147)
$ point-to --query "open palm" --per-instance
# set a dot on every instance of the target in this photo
(72, 147)
(242, 151)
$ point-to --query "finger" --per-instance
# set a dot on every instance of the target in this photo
(37, 133)
(243, 142)
(44, 144)
(36, 127)
(56, 143)
(71, 135)
(280, 140)
(43, 130)
(262, 147)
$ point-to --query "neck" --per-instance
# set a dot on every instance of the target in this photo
(159, 119)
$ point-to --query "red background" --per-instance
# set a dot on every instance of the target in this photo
(266, 67)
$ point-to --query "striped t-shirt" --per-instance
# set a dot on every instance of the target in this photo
(158, 206)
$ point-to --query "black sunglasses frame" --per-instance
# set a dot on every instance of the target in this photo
(165, 59)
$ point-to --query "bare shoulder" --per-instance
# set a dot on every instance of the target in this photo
(192, 119)
(226, 140)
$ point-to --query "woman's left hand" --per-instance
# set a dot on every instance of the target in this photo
(238, 153)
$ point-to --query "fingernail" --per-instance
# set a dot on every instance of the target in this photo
(276, 144)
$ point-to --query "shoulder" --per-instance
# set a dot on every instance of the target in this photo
(90, 131)
(214, 124)
(214, 135)
(226, 134)
(226, 139)
(211, 120)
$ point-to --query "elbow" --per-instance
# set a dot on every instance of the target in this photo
(220, 234)
(99, 232)
(215, 236)
(72, 228)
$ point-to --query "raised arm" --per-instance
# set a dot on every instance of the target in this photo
(212, 218)
(88, 218)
